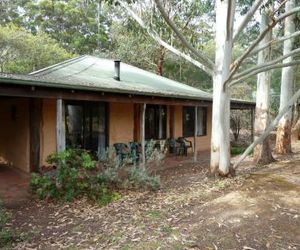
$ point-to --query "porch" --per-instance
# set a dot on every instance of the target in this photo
(13, 186)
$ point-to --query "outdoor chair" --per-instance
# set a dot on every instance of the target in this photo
(122, 151)
(135, 152)
(185, 144)
(174, 147)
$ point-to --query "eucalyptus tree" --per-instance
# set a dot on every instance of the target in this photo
(283, 137)
(79, 26)
(262, 152)
(22, 52)
(224, 71)
(130, 43)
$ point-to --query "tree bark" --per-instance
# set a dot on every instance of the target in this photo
(220, 140)
(270, 128)
(283, 137)
(262, 152)
(161, 60)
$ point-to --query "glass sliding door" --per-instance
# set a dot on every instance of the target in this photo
(155, 122)
(86, 125)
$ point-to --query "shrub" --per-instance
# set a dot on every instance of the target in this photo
(73, 176)
(5, 234)
(139, 178)
(236, 150)
(134, 177)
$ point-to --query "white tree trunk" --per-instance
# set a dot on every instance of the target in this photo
(262, 152)
(220, 140)
(283, 137)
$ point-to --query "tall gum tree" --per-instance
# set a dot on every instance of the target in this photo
(220, 143)
(283, 136)
(224, 72)
(262, 152)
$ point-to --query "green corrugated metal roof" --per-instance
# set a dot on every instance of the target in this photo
(96, 74)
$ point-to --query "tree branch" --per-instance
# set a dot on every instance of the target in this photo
(281, 39)
(157, 38)
(271, 25)
(269, 128)
(246, 19)
(278, 7)
(273, 66)
(279, 59)
(202, 57)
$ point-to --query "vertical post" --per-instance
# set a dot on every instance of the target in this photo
(35, 120)
(60, 126)
(172, 111)
(252, 124)
(143, 111)
(160, 131)
(195, 133)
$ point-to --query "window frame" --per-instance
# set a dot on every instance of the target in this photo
(191, 111)
(159, 122)
(87, 132)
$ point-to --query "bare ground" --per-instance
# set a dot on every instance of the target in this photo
(258, 209)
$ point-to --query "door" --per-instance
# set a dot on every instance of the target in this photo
(86, 125)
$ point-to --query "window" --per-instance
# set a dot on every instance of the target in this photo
(155, 122)
(201, 119)
(86, 125)
(188, 121)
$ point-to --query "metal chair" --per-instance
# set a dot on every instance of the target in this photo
(135, 152)
(121, 151)
(185, 144)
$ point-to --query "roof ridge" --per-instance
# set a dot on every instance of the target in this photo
(54, 66)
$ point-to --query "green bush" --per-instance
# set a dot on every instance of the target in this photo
(5, 234)
(73, 177)
(139, 178)
(76, 174)
(236, 150)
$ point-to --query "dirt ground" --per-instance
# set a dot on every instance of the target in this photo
(257, 209)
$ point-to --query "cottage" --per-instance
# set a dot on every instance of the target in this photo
(93, 103)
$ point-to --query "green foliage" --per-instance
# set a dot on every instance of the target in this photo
(43, 186)
(79, 26)
(72, 178)
(76, 174)
(139, 178)
(22, 52)
(5, 234)
(131, 44)
(236, 150)
(134, 177)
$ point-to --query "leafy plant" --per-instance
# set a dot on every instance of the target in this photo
(76, 174)
(5, 234)
(140, 179)
(72, 177)
(236, 150)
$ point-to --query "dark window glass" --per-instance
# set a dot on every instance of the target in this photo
(201, 119)
(155, 122)
(85, 125)
(188, 121)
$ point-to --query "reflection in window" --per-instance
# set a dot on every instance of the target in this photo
(155, 122)
(85, 125)
(188, 121)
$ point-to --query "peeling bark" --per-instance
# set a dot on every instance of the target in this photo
(283, 137)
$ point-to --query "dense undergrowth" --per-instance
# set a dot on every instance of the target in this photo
(75, 174)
